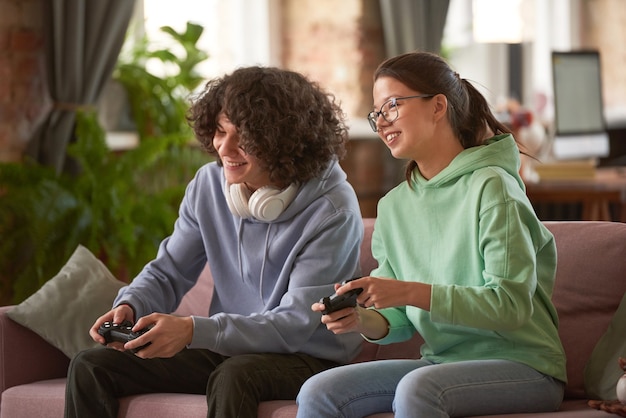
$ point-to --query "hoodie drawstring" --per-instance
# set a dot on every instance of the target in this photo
(239, 234)
(267, 243)
(265, 254)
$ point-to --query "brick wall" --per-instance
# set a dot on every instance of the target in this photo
(604, 27)
(338, 44)
(22, 92)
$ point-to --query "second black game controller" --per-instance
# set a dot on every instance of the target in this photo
(121, 333)
(336, 302)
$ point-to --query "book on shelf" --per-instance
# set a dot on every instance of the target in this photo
(566, 170)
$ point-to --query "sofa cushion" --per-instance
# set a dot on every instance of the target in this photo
(43, 399)
(153, 405)
(590, 283)
(66, 306)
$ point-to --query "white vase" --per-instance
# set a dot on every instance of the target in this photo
(621, 389)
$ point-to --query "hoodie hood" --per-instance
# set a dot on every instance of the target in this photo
(499, 151)
(310, 191)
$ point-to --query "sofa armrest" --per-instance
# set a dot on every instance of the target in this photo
(25, 357)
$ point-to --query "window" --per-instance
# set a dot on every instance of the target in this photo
(236, 32)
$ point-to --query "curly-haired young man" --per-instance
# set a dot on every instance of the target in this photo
(278, 224)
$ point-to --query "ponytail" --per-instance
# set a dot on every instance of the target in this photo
(478, 119)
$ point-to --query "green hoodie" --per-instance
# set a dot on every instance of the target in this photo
(472, 234)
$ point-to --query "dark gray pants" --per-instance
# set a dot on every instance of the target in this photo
(234, 386)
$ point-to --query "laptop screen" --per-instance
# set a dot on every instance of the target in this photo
(580, 129)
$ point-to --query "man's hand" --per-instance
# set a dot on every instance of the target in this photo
(117, 315)
(168, 335)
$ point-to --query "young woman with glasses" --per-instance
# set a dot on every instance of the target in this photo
(462, 260)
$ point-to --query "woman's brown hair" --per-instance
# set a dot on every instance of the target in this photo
(468, 111)
(286, 121)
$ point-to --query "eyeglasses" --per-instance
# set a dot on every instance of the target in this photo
(389, 110)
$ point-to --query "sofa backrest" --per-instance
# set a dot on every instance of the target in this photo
(198, 299)
(590, 283)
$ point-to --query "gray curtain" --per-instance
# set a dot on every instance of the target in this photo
(410, 25)
(83, 39)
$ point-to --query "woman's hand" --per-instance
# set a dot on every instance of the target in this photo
(382, 293)
(378, 293)
(368, 322)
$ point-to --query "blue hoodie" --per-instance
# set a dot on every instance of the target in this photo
(266, 274)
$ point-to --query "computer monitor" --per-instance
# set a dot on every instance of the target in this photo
(580, 127)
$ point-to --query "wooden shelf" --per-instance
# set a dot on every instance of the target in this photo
(596, 195)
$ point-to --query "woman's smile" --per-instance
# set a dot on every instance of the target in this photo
(390, 137)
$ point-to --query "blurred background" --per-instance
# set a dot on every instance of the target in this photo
(93, 145)
(502, 45)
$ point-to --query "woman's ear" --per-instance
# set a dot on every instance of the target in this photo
(440, 106)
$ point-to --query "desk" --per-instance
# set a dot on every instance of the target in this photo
(596, 195)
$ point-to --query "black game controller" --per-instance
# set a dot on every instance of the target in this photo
(336, 302)
(121, 333)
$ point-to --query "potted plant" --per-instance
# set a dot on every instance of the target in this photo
(120, 205)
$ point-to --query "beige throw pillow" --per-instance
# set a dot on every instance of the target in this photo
(66, 306)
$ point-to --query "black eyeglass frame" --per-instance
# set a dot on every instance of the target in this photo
(373, 116)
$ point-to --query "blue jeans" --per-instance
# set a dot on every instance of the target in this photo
(421, 389)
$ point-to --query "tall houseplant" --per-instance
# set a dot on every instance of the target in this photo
(158, 103)
(120, 206)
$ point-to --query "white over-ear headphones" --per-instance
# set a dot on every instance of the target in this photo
(265, 204)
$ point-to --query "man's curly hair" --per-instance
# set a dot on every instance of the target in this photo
(289, 123)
